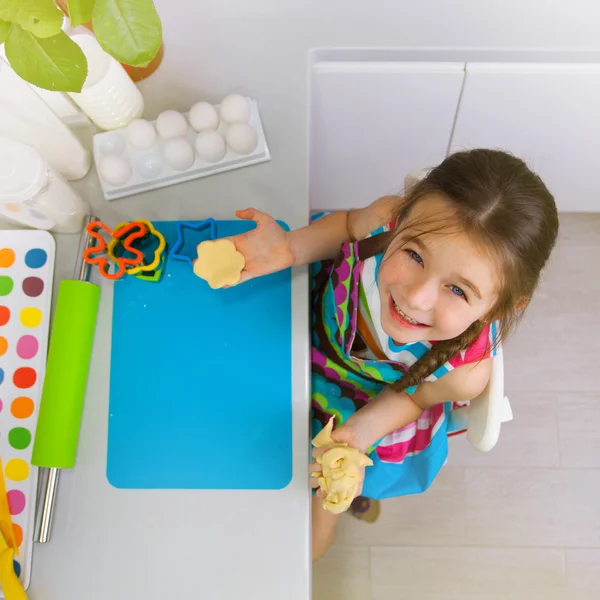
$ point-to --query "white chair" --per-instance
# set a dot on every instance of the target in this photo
(484, 415)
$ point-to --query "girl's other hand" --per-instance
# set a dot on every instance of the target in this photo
(266, 248)
(314, 467)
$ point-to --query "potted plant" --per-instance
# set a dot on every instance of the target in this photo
(41, 53)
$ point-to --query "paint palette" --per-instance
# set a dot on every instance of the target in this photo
(26, 271)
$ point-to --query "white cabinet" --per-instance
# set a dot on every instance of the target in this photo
(547, 114)
(376, 115)
(373, 122)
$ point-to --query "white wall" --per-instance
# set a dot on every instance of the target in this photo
(261, 47)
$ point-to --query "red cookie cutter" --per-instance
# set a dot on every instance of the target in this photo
(130, 232)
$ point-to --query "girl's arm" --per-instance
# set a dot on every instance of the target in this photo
(323, 238)
(392, 410)
(268, 248)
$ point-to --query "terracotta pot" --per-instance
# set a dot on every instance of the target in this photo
(136, 73)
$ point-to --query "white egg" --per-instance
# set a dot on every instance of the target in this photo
(178, 152)
(241, 138)
(171, 123)
(235, 109)
(210, 146)
(111, 143)
(203, 116)
(141, 134)
(149, 166)
(115, 169)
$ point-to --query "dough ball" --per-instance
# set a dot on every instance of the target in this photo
(242, 138)
(178, 153)
(219, 263)
(235, 109)
(203, 116)
(210, 146)
(171, 123)
(115, 169)
(141, 134)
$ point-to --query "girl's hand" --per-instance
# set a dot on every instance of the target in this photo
(266, 249)
(341, 435)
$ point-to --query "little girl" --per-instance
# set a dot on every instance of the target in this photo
(410, 298)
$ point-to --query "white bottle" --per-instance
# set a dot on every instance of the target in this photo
(109, 97)
(24, 116)
(32, 193)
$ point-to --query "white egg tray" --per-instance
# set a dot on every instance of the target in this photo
(115, 142)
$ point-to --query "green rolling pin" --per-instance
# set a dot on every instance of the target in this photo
(63, 393)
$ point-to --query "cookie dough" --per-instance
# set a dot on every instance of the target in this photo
(219, 263)
(340, 473)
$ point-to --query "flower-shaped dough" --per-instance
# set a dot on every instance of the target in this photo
(219, 263)
(340, 473)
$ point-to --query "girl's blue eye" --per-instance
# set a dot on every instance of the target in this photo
(415, 256)
(457, 291)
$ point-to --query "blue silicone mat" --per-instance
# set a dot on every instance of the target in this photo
(200, 383)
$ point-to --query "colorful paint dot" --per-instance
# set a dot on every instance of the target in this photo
(17, 568)
(16, 501)
(24, 377)
(31, 317)
(1, 405)
(16, 469)
(3, 345)
(12, 207)
(6, 285)
(33, 286)
(36, 258)
(27, 347)
(1, 375)
(19, 438)
(7, 258)
(4, 315)
(18, 531)
(22, 407)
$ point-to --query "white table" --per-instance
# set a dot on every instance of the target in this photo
(178, 545)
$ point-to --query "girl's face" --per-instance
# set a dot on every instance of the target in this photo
(437, 286)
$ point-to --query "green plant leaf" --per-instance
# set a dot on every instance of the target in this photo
(4, 30)
(80, 11)
(129, 30)
(40, 17)
(56, 63)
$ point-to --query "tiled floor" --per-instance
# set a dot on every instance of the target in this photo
(523, 522)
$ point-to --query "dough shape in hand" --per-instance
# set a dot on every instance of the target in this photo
(219, 263)
(340, 473)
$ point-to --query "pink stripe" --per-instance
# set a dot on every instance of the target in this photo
(477, 351)
(420, 441)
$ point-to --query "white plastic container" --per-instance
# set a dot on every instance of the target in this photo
(25, 117)
(32, 193)
(109, 97)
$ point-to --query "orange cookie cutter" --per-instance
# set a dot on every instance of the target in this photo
(130, 232)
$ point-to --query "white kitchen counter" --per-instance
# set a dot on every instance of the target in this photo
(178, 545)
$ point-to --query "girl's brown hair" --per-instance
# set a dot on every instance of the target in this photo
(502, 204)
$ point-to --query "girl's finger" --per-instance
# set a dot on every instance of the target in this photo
(318, 452)
(313, 467)
(251, 214)
(314, 483)
(321, 494)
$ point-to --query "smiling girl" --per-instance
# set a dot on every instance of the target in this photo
(410, 298)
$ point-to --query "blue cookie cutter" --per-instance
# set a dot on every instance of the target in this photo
(177, 248)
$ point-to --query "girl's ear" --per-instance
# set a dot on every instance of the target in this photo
(522, 303)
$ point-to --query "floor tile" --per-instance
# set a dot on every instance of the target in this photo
(529, 440)
(343, 574)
